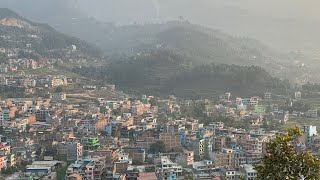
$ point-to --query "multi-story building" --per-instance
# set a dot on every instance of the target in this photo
(171, 141)
(92, 168)
(253, 144)
(219, 142)
(268, 96)
(312, 113)
(42, 114)
(90, 143)
(297, 95)
(186, 158)
(204, 166)
(168, 170)
(59, 96)
(11, 160)
(3, 162)
(136, 154)
(248, 172)
(225, 158)
(111, 154)
(5, 115)
(199, 148)
(74, 151)
(228, 173)
(57, 81)
(145, 143)
(310, 132)
(124, 157)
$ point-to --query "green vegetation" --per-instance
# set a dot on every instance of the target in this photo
(47, 41)
(59, 89)
(296, 121)
(284, 162)
(157, 147)
(163, 71)
(61, 172)
(299, 106)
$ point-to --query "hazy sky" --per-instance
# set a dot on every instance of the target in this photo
(285, 24)
(143, 10)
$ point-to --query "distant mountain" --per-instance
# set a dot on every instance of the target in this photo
(214, 46)
(18, 32)
(200, 44)
(164, 71)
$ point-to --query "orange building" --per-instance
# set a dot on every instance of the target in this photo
(31, 118)
(3, 163)
(101, 124)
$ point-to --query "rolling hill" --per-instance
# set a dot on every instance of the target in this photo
(18, 32)
(163, 71)
(202, 45)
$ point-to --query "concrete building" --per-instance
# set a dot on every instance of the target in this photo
(168, 170)
(228, 173)
(186, 158)
(309, 130)
(74, 151)
(171, 141)
(312, 113)
(225, 158)
(199, 148)
(205, 166)
(297, 95)
(3, 162)
(59, 97)
(218, 143)
(248, 172)
(136, 154)
(90, 143)
(268, 96)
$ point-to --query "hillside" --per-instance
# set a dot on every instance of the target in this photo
(41, 39)
(164, 72)
(200, 44)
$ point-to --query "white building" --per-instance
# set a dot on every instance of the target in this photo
(310, 130)
(297, 95)
(168, 169)
(248, 172)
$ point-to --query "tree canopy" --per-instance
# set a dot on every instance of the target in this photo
(283, 161)
(157, 147)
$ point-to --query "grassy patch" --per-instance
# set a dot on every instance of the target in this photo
(298, 121)
(61, 173)
(50, 71)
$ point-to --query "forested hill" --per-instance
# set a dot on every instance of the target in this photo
(17, 32)
(164, 72)
(203, 45)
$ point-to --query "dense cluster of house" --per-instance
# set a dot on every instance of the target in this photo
(112, 139)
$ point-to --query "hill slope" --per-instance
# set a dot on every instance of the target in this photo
(17, 32)
(164, 71)
(201, 44)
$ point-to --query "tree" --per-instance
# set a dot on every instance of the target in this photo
(283, 161)
(135, 162)
(28, 127)
(59, 89)
(157, 147)
(153, 102)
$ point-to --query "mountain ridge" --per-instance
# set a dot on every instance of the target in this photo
(43, 37)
